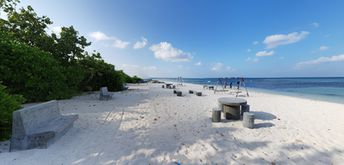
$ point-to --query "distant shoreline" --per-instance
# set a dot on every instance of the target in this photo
(331, 89)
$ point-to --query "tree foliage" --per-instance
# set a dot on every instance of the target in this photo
(98, 73)
(41, 66)
(8, 104)
(27, 27)
(35, 74)
(8, 5)
(26, 35)
(69, 47)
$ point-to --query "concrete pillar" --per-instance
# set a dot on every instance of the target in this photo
(231, 112)
(216, 117)
(245, 108)
(248, 120)
(220, 106)
(179, 93)
(198, 93)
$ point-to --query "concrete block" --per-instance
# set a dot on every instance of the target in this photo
(244, 108)
(179, 93)
(198, 93)
(39, 126)
(248, 120)
(216, 116)
(104, 94)
(231, 112)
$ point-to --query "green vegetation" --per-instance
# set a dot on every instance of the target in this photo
(35, 74)
(8, 104)
(39, 66)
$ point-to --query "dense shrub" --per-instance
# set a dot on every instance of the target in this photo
(127, 79)
(42, 66)
(35, 74)
(97, 73)
(136, 79)
(8, 104)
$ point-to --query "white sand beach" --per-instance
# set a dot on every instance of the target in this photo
(151, 125)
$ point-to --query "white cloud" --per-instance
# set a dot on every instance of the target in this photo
(221, 67)
(140, 44)
(165, 51)
(217, 66)
(120, 44)
(275, 40)
(264, 53)
(198, 64)
(315, 24)
(3, 15)
(56, 29)
(141, 71)
(99, 36)
(228, 68)
(255, 43)
(320, 60)
(323, 48)
(252, 59)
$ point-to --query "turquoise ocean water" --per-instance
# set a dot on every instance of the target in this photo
(320, 88)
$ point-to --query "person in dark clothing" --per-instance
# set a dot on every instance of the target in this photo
(238, 83)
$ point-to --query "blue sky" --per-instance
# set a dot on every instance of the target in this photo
(165, 38)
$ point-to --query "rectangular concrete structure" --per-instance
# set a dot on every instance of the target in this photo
(198, 93)
(248, 120)
(179, 93)
(244, 108)
(104, 94)
(216, 115)
(232, 107)
(231, 112)
(39, 126)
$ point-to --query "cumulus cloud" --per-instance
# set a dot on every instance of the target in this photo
(3, 15)
(315, 24)
(117, 43)
(165, 51)
(320, 60)
(217, 66)
(120, 44)
(56, 29)
(198, 64)
(323, 48)
(99, 36)
(141, 71)
(252, 59)
(264, 53)
(140, 44)
(221, 67)
(275, 40)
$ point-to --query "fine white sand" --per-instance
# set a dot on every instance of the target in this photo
(151, 125)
